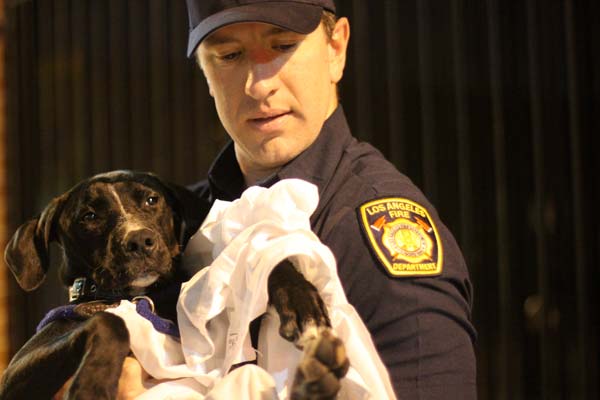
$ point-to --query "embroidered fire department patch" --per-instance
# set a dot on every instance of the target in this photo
(403, 236)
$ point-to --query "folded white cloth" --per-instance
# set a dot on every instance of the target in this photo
(243, 241)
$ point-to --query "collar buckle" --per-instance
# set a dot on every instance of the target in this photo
(81, 289)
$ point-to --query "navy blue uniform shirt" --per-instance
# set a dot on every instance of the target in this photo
(421, 326)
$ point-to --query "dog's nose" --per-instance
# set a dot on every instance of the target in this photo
(142, 241)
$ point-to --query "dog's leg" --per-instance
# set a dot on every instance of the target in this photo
(324, 363)
(131, 382)
(42, 365)
(91, 352)
(304, 321)
(296, 300)
(103, 344)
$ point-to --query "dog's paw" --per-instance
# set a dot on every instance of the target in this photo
(296, 301)
(324, 363)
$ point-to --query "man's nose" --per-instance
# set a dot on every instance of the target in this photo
(262, 79)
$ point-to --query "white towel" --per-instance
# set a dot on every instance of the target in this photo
(243, 241)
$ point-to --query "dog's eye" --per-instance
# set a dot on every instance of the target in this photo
(152, 200)
(89, 216)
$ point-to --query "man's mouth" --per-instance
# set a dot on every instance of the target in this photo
(269, 120)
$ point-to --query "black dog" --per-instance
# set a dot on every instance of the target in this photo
(122, 235)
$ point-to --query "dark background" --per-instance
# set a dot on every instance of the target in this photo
(489, 105)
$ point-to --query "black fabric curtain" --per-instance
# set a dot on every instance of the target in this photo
(489, 106)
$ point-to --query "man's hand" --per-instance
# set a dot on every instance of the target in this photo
(131, 382)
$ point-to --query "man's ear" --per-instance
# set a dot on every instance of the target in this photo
(27, 253)
(210, 90)
(199, 61)
(338, 44)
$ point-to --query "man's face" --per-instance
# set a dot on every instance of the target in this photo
(273, 89)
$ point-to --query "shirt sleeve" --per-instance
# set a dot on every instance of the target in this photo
(421, 326)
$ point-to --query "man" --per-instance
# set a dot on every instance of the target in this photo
(272, 68)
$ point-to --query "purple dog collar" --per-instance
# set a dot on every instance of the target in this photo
(143, 306)
(62, 312)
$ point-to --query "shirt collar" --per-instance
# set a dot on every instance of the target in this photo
(316, 164)
(319, 161)
(225, 177)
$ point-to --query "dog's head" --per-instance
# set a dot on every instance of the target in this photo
(123, 230)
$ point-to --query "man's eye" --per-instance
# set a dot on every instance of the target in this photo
(89, 216)
(152, 200)
(230, 56)
(285, 47)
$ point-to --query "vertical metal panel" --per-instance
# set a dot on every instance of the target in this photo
(22, 145)
(463, 130)
(402, 86)
(427, 103)
(465, 198)
(159, 85)
(100, 138)
(81, 100)
(557, 207)
(15, 332)
(119, 85)
(445, 111)
(63, 79)
(394, 96)
(539, 187)
(139, 92)
(588, 37)
(501, 216)
(47, 100)
(577, 381)
(185, 117)
(362, 96)
(4, 274)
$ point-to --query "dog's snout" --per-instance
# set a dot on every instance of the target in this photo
(142, 241)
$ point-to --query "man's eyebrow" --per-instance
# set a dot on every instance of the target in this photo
(275, 31)
(216, 39)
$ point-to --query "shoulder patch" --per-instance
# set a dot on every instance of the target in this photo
(403, 236)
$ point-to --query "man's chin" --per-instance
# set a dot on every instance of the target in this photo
(263, 167)
(275, 157)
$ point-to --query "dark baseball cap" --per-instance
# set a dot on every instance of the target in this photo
(206, 16)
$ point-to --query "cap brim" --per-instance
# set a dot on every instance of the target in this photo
(296, 17)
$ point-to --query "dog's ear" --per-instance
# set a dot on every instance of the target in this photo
(190, 209)
(27, 253)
